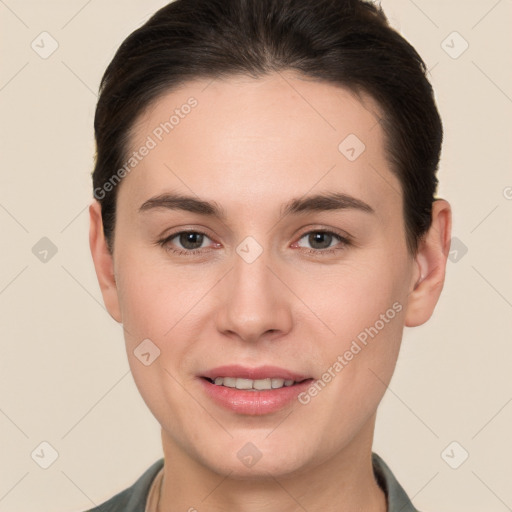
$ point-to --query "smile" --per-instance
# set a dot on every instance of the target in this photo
(253, 391)
(252, 385)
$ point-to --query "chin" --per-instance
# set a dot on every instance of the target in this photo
(245, 460)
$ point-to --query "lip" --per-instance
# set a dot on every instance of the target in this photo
(253, 403)
(261, 372)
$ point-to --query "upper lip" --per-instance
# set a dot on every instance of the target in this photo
(260, 372)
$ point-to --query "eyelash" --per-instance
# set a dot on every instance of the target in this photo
(346, 241)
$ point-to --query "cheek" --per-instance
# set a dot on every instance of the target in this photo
(350, 298)
(364, 307)
(164, 391)
(157, 307)
(155, 299)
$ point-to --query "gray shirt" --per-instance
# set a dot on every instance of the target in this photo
(133, 499)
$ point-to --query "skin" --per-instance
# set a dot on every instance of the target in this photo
(251, 145)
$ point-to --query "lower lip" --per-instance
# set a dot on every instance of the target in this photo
(253, 402)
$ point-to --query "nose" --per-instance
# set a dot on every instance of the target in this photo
(255, 302)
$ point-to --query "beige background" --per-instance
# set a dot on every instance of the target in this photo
(64, 375)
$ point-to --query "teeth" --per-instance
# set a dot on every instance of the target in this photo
(243, 384)
(262, 384)
(230, 382)
(254, 385)
(277, 383)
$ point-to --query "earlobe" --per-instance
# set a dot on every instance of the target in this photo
(430, 262)
(103, 262)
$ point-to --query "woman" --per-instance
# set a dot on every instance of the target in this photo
(264, 226)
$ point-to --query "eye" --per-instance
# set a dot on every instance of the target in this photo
(321, 240)
(191, 241)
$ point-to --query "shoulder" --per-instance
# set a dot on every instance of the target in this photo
(132, 499)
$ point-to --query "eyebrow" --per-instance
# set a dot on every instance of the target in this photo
(314, 203)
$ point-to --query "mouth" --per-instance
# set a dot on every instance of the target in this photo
(253, 384)
(253, 391)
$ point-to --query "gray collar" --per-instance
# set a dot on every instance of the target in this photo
(397, 499)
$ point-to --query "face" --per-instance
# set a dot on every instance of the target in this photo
(268, 283)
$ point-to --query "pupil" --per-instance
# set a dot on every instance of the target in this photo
(317, 237)
(187, 239)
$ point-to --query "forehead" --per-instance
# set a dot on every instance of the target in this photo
(256, 140)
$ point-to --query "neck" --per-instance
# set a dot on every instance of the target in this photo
(342, 483)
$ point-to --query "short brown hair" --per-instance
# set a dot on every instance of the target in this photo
(343, 42)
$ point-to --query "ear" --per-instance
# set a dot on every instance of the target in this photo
(430, 262)
(103, 262)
